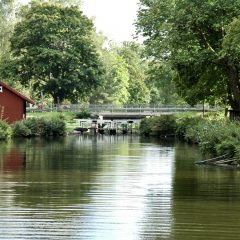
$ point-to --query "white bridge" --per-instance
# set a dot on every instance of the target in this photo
(127, 111)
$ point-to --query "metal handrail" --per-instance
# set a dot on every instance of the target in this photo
(121, 108)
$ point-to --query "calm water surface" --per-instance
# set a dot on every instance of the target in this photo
(109, 188)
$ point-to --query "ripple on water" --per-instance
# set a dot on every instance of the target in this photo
(114, 188)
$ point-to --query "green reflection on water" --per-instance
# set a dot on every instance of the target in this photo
(115, 188)
(57, 172)
(205, 199)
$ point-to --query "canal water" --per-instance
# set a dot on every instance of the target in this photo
(114, 188)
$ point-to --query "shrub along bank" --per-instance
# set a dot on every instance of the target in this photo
(34, 127)
(39, 127)
(5, 130)
(214, 136)
(164, 125)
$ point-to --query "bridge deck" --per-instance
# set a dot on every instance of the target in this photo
(127, 115)
(125, 112)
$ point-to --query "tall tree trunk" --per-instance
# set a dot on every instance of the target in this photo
(233, 77)
(55, 99)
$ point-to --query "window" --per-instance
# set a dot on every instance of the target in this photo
(1, 89)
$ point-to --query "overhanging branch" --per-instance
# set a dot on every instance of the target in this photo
(206, 41)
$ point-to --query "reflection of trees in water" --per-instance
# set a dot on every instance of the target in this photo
(70, 152)
(58, 172)
(59, 154)
(201, 195)
(185, 183)
(4, 149)
(62, 171)
(196, 181)
(165, 142)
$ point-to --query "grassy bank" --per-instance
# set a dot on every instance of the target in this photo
(215, 135)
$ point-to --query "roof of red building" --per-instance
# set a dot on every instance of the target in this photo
(17, 93)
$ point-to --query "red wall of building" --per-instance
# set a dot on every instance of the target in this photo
(13, 106)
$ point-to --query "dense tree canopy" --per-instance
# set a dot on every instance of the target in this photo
(65, 3)
(125, 74)
(137, 68)
(161, 84)
(192, 36)
(116, 79)
(53, 52)
(7, 17)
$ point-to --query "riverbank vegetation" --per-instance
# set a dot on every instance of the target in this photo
(216, 136)
(42, 124)
(68, 117)
(5, 130)
(52, 126)
(39, 127)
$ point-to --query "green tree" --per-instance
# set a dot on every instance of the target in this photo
(132, 54)
(54, 53)
(161, 83)
(116, 79)
(190, 35)
(65, 3)
(7, 20)
(68, 3)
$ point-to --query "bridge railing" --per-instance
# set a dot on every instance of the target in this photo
(111, 108)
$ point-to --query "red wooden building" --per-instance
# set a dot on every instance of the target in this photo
(12, 104)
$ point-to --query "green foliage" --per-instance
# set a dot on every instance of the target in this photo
(47, 115)
(215, 136)
(184, 128)
(7, 19)
(19, 129)
(137, 68)
(205, 134)
(158, 126)
(38, 127)
(231, 51)
(146, 126)
(125, 74)
(65, 3)
(53, 52)
(83, 114)
(161, 83)
(189, 36)
(68, 118)
(5, 130)
(229, 147)
(55, 127)
(116, 79)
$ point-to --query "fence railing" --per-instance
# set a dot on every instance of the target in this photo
(123, 108)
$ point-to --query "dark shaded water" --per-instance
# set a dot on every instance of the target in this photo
(112, 188)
